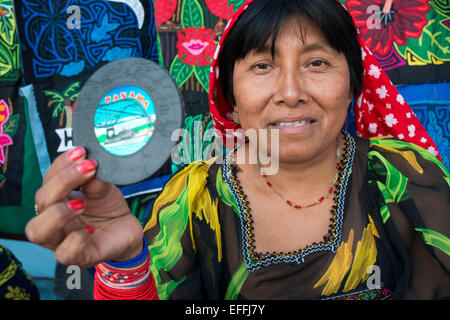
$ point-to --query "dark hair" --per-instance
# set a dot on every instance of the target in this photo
(263, 20)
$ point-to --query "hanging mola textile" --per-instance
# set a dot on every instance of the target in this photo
(62, 43)
(411, 41)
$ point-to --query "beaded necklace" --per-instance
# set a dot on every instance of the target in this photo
(321, 199)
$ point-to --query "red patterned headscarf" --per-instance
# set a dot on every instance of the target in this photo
(380, 110)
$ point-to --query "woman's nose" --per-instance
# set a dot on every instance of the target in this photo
(290, 89)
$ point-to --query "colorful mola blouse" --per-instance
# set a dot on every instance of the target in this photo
(389, 236)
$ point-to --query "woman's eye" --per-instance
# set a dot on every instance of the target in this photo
(318, 63)
(261, 66)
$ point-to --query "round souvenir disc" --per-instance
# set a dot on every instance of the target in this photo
(124, 117)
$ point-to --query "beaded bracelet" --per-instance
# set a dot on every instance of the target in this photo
(130, 279)
(117, 278)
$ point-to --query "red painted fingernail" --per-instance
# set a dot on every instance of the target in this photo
(86, 166)
(89, 229)
(76, 205)
(76, 154)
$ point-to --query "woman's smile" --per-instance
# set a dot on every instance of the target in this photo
(294, 127)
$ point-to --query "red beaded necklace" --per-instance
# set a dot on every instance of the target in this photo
(321, 199)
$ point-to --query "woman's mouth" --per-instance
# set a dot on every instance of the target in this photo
(294, 124)
(293, 127)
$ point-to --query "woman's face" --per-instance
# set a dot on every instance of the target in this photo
(304, 91)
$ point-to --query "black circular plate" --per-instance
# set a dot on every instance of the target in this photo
(124, 117)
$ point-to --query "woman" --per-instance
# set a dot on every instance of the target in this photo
(341, 218)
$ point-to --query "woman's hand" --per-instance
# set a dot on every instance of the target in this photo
(87, 227)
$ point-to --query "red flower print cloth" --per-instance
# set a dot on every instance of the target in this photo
(398, 21)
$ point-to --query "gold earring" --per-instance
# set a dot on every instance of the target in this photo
(236, 117)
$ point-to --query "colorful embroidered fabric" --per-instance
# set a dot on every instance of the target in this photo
(369, 294)
(408, 38)
(69, 38)
(431, 104)
(9, 47)
(59, 55)
(17, 161)
(62, 44)
(394, 235)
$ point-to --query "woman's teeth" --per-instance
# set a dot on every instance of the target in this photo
(294, 124)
